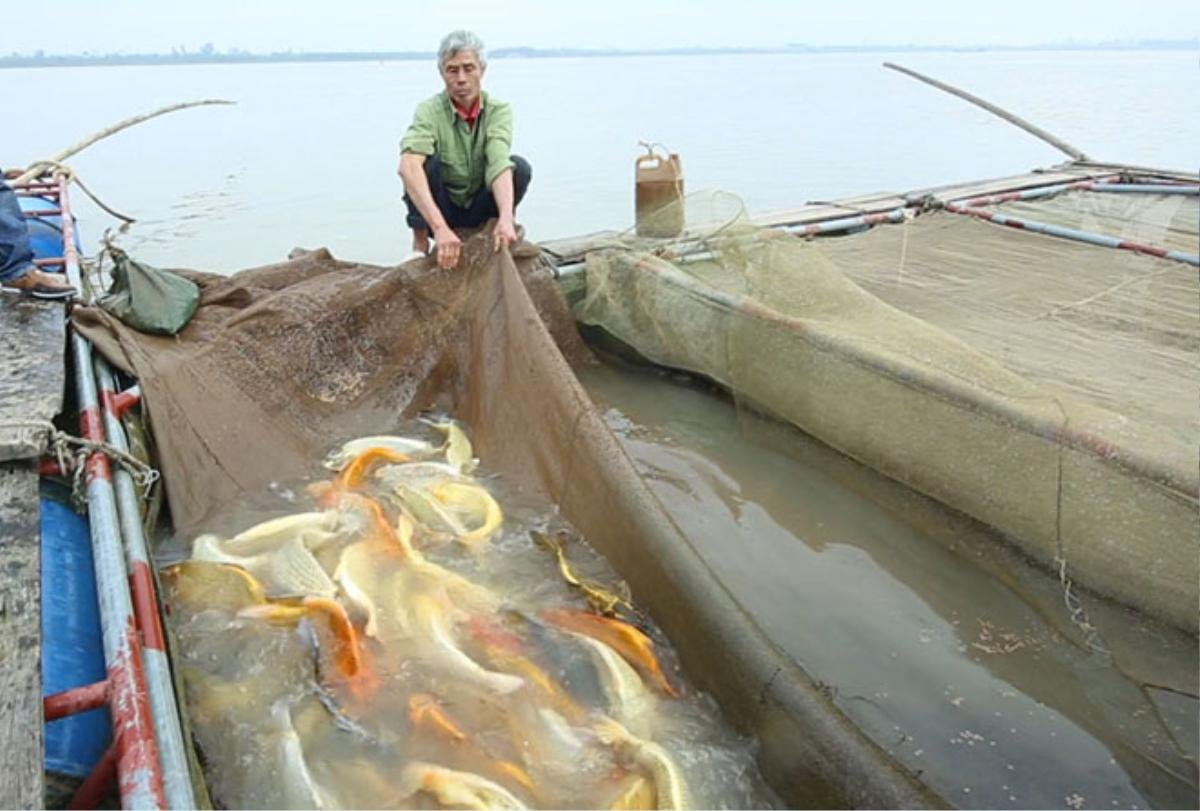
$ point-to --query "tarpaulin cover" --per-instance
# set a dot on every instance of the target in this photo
(282, 362)
(1045, 387)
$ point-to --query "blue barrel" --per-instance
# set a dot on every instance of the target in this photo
(72, 650)
(45, 233)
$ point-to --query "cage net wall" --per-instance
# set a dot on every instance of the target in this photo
(1045, 387)
(283, 362)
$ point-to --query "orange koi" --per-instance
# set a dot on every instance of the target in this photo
(425, 712)
(633, 645)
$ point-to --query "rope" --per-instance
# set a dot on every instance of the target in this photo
(39, 168)
(72, 452)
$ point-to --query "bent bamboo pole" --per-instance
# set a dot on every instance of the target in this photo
(1011, 118)
(37, 167)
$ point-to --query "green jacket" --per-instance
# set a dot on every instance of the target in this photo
(471, 158)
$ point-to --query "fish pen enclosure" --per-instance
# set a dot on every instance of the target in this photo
(1044, 386)
(400, 571)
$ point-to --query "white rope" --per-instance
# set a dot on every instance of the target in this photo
(72, 452)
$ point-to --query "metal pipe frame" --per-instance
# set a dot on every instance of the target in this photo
(75, 700)
(1089, 237)
(1082, 185)
(135, 750)
(697, 251)
(164, 707)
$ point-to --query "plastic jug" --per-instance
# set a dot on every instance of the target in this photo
(658, 194)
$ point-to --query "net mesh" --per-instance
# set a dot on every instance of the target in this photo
(283, 362)
(1045, 387)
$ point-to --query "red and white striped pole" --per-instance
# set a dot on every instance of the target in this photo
(176, 780)
(139, 772)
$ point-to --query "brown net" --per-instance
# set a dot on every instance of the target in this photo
(1044, 387)
(283, 362)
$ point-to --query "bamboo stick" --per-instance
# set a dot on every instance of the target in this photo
(1011, 118)
(37, 167)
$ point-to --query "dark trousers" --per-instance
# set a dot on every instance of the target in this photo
(483, 206)
(16, 257)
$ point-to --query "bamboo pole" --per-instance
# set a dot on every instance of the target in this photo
(1011, 118)
(37, 167)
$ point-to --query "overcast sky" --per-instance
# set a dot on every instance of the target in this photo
(140, 26)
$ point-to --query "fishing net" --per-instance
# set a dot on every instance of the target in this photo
(282, 363)
(1044, 387)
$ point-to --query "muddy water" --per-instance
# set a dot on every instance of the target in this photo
(282, 720)
(947, 648)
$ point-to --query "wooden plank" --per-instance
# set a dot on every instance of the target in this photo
(31, 371)
(21, 779)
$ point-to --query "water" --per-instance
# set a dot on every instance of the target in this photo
(309, 154)
(948, 650)
(951, 651)
(291, 712)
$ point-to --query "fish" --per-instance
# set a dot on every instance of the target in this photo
(316, 528)
(292, 775)
(475, 501)
(457, 789)
(200, 585)
(374, 523)
(600, 599)
(466, 597)
(441, 648)
(424, 712)
(527, 669)
(635, 793)
(211, 699)
(418, 473)
(457, 447)
(427, 511)
(632, 644)
(413, 448)
(289, 570)
(627, 698)
(365, 578)
(670, 790)
(345, 650)
(356, 471)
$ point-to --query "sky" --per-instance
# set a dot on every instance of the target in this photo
(157, 26)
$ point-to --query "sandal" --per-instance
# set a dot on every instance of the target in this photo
(35, 285)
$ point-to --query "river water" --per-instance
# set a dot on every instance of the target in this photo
(308, 154)
(952, 652)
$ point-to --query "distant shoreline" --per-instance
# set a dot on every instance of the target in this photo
(209, 56)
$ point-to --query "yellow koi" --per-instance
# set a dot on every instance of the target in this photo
(476, 501)
(414, 448)
(289, 570)
(457, 789)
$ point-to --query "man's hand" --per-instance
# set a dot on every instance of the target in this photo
(449, 247)
(504, 234)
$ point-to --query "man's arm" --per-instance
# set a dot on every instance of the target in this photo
(416, 185)
(505, 232)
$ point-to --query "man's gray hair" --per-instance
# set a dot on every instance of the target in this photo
(457, 41)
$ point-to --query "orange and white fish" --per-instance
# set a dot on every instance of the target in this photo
(632, 644)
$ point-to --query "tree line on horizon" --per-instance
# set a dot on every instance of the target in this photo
(208, 53)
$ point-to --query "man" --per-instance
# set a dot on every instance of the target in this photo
(17, 271)
(455, 160)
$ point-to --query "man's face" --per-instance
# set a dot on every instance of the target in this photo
(463, 76)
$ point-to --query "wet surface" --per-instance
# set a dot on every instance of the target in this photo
(464, 659)
(950, 650)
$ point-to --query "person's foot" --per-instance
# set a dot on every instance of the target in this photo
(41, 285)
